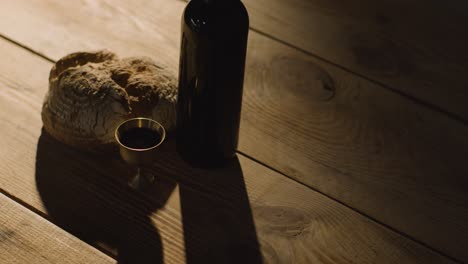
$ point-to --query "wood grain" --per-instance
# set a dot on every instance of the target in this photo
(417, 48)
(223, 211)
(376, 151)
(27, 238)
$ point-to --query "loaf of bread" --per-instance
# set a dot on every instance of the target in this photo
(90, 93)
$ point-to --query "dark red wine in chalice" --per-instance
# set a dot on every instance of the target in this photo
(140, 138)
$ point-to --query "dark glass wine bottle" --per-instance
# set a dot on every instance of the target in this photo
(211, 75)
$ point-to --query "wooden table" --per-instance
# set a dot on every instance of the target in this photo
(353, 142)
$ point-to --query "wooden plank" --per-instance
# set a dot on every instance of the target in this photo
(26, 237)
(348, 138)
(413, 47)
(191, 214)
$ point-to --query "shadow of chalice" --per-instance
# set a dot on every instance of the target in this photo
(88, 193)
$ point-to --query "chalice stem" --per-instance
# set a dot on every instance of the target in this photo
(141, 180)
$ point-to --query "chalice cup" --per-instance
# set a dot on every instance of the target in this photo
(139, 140)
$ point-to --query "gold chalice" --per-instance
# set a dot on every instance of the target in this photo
(139, 140)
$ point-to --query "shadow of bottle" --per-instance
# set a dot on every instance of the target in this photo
(216, 214)
(217, 218)
(87, 194)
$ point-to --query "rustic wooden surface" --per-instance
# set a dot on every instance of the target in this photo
(26, 237)
(415, 47)
(376, 151)
(199, 212)
(347, 137)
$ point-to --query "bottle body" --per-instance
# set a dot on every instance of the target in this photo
(211, 74)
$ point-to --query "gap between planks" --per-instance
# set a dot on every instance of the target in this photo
(412, 98)
(47, 218)
(26, 237)
(403, 234)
